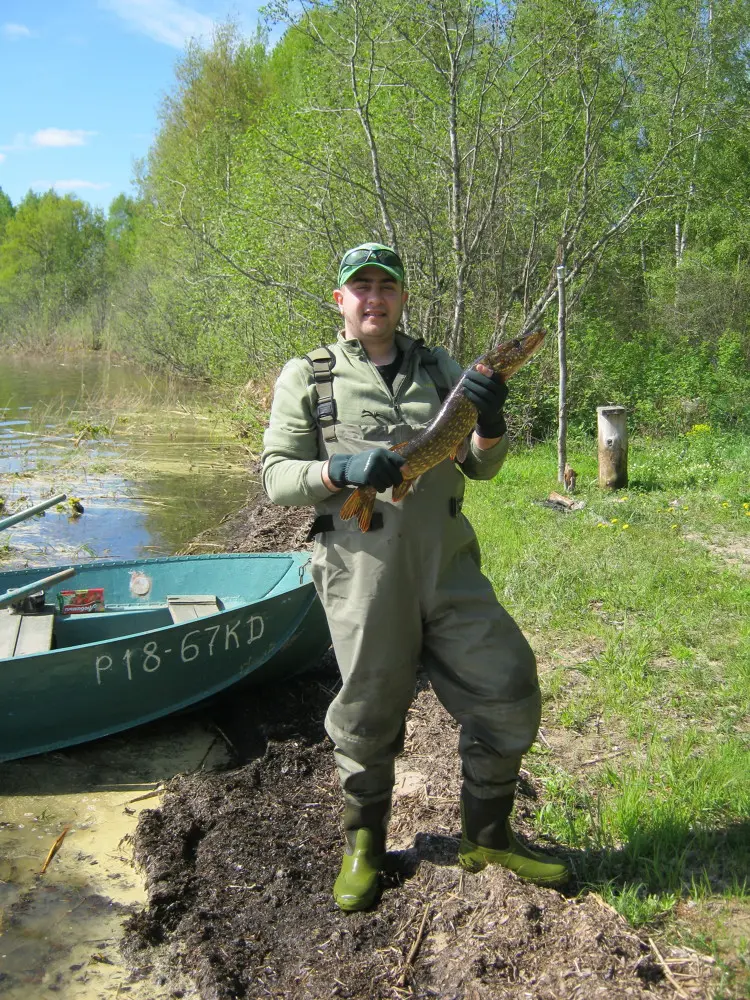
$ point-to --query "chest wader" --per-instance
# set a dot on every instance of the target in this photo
(411, 591)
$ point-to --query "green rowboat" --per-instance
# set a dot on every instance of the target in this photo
(173, 632)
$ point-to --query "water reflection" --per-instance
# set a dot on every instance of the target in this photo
(149, 469)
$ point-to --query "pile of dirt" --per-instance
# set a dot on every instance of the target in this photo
(240, 866)
(264, 527)
(260, 526)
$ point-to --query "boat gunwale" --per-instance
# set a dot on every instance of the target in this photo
(150, 560)
(296, 565)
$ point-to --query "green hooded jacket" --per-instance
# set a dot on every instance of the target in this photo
(369, 415)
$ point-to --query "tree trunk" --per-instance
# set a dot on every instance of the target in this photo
(562, 356)
(613, 446)
(455, 342)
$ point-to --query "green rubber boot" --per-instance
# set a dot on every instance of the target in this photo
(356, 887)
(487, 839)
(357, 884)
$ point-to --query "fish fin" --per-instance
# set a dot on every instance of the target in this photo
(459, 451)
(350, 506)
(359, 505)
(400, 491)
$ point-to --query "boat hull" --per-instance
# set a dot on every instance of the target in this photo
(83, 690)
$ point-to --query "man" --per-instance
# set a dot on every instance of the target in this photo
(409, 590)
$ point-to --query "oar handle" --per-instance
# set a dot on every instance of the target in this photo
(31, 588)
(8, 522)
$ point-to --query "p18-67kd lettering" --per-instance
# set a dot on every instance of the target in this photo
(221, 638)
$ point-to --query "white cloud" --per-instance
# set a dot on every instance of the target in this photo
(48, 138)
(2, 157)
(19, 144)
(60, 137)
(15, 31)
(77, 185)
(167, 21)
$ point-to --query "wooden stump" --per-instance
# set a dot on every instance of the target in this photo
(613, 446)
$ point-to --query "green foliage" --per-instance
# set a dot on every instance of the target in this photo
(121, 229)
(487, 143)
(667, 382)
(50, 263)
(6, 212)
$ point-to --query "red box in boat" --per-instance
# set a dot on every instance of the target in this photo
(81, 602)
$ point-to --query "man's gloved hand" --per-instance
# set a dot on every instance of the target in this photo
(379, 468)
(488, 394)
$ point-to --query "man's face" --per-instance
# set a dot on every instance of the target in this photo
(371, 303)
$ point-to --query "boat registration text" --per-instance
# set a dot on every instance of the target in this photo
(150, 657)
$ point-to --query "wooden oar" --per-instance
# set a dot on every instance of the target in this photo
(31, 588)
(8, 522)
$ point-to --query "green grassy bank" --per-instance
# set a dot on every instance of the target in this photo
(637, 606)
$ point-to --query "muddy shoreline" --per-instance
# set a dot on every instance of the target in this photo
(239, 865)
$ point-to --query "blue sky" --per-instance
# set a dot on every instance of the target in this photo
(81, 84)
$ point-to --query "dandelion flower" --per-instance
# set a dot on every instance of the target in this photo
(615, 520)
(674, 527)
(746, 506)
(725, 504)
(625, 527)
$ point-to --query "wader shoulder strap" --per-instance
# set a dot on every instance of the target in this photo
(432, 367)
(323, 361)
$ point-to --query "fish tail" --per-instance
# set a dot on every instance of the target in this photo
(360, 504)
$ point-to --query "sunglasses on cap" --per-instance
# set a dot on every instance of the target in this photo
(362, 255)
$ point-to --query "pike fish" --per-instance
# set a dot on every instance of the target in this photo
(443, 437)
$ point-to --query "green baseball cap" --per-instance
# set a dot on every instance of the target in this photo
(370, 255)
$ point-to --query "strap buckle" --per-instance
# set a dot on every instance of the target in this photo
(323, 361)
(327, 408)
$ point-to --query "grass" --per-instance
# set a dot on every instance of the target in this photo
(637, 607)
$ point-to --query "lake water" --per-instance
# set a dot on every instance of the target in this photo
(149, 466)
(151, 470)
(60, 930)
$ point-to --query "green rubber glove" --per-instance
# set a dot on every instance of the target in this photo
(379, 468)
(488, 394)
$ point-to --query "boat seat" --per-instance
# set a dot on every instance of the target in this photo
(187, 607)
(24, 634)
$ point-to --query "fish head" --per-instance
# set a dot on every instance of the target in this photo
(513, 354)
